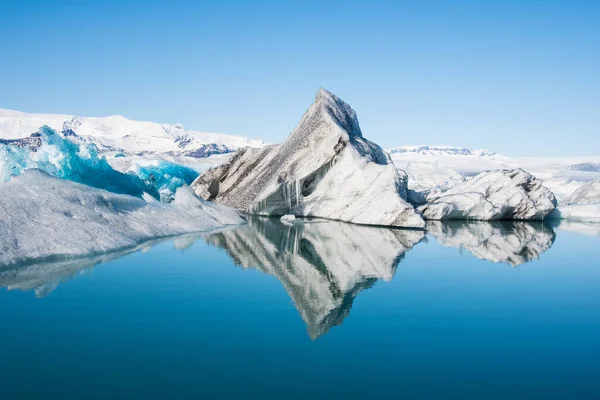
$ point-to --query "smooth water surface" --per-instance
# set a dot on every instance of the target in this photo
(313, 310)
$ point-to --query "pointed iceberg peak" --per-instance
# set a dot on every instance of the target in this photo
(324, 169)
(337, 109)
(323, 93)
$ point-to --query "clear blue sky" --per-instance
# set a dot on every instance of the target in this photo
(516, 77)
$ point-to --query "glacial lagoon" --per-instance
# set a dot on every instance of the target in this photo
(313, 309)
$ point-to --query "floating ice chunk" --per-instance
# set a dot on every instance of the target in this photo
(288, 218)
(44, 217)
(578, 212)
(588, 193)
(492, 195)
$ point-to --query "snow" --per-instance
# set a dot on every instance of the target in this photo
(513, 243)
(492, 195)
(325, 168)
(43, 217)
(323, 265)
(118, 133)
(440, 150)
(288, 218)
(425, 176)
(124, 163)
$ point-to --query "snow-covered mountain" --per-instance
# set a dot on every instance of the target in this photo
(117, 133)
(440, 150)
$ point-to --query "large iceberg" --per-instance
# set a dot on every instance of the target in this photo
(43, 217)
(323, 265)
(492, 195)
(326, 168)
(80, 162)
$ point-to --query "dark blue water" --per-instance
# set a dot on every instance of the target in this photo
(318, 310)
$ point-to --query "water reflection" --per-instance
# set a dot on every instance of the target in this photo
(580, 227)
(44, 277)
(511, 242)
(323, 265)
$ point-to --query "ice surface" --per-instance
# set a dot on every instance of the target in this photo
(165, 176)
(578, 212)
(288, 218)
(45, 217)
(588, 193)
(423, 176)
(582, 205)
(60, 157)
(322, 264)
(492, 195)
(325, 168)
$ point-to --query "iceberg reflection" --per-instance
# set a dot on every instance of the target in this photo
(323, 265)
(511, 242)
(43, 277)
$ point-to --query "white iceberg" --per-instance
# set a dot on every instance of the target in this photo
(588, 193)
(288, 218)
(425, 176)
(578, 212)
(582, 205)
(325, 168)
(492, 195)
(43, 217)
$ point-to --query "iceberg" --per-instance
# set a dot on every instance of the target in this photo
(492, 195)
(578, 212)
(46, 218)
(165, 177)
(323, 265)
(588, 193)
(325, 168)
(62, 158)
(509, 242)
(583, 205)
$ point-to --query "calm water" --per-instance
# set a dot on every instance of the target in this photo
(315, 310)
